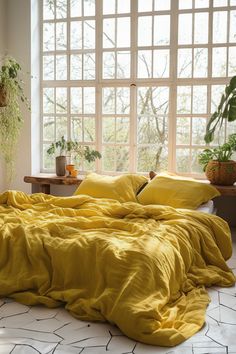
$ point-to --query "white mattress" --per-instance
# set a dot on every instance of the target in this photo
(207, 207)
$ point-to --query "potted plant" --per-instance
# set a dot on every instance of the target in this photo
(217, 163)
(11, 117)
(225, 110)
(62, 148)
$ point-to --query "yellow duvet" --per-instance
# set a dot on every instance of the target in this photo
(142, 268)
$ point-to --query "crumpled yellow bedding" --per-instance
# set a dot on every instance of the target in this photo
(143, 268)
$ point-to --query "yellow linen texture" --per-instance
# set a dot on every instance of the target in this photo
(177, 192)
(143, 268)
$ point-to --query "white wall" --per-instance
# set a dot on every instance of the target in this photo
(18, 46)
(2, 52)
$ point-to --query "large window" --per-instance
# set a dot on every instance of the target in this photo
(135, 79)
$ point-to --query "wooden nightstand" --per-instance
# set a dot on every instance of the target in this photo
(44, 180)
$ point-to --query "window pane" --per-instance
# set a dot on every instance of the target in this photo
(122, 130)
(152, 158)
(161, 30)
(123, 65)
(48, 10)
(48, 67)
(48, 129)
(108, 100)
(108, 160)
(219, 3)
(219, 27)
(123, 6)
(109, 7)
(144, 63)
(201, 4)
(89, 100)
(145, 30)
(76, 35)
(77, 129)
(61, 127)
(185, 21)
(76, 67)
(61, 99)
(48, 161)
(185, 63)
(219, 62)
(89, 35)
(61, 36)
(185, 4)
(161, 63)
(75, 8)
(195, 166)
(109, 65)
(61, 8)
(144, 5)
(200, 65)
(48, 100)
(108, 130)
(61, 67)
(183, 160)
(48, 37)
(184, 99)
(76, 100)
(201, 28)
(198, 131)
(232, 35)
(122, 100)
(232, 61)
(162, 5)
(216, 93)
(122, 158)
(89, 7)
(199, 99)
(183, 131)
(89, 66)
(109, 33)
(123, 32)
(89, 129)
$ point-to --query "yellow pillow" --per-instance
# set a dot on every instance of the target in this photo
(122, 188)
(177, 192)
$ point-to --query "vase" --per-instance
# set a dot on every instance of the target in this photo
(221, 173)
(60, 165)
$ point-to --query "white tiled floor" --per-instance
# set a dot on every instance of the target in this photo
(29, 330)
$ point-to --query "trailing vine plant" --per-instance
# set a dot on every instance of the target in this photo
(11, 117)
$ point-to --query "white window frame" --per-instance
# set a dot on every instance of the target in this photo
(172, 82)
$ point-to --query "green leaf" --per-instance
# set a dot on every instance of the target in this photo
(232, 83)
(232, 109)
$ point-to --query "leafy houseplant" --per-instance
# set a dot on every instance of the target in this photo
(217, 163)
(225, 110)
(64, 147)
(11, 118)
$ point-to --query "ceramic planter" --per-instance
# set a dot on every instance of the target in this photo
(61, 165)
(221, 173)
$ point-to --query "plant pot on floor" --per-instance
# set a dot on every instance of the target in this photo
(221, 173)
(61, 166)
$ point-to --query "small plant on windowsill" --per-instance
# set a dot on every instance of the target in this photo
(217, 163)
(11, 116)
(64, 148)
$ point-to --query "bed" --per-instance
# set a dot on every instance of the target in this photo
(143, 268)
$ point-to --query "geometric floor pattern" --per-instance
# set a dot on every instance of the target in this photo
(37, 329)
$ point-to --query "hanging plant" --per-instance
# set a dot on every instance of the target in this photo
(11, 117)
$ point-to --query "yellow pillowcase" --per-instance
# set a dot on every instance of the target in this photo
(177, 192)
(122, 188)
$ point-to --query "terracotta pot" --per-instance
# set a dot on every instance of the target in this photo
(222, 173)
(3, 96)
(61, 165)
